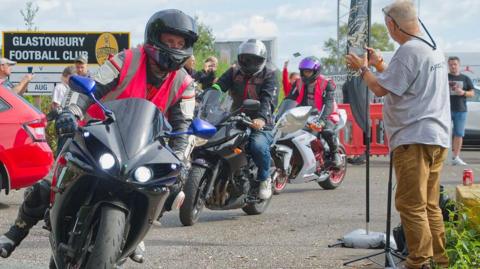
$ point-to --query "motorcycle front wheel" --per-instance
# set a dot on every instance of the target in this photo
(337, 175)
(193, 204)
(105, 239)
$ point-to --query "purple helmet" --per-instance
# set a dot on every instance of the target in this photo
(310, 63)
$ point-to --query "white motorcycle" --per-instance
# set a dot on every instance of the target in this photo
(299, 153)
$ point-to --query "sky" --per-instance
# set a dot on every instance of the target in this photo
(299, 26)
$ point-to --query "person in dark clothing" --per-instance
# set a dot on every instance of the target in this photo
(153, 72)
(206, 77)
(315, 90)
(251, 78)
(461, 87)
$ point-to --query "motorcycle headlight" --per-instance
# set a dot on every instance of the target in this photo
(143, 174)
(106, 161)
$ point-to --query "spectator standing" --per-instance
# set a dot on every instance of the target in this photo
(417, 120)
(81, 66)
(61, 89)
(190, 66)
(288, 79)
(461, 87)
(206, 77)
(6, 71)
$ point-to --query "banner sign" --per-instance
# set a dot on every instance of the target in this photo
(357, 39)
(61, 48)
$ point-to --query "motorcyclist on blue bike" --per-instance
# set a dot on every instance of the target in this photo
(153, 72)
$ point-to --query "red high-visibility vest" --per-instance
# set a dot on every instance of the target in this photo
(133, 84)
(320, 86)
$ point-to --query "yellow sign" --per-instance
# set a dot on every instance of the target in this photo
(106, 45)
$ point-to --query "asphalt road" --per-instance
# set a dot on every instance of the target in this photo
(294, 232)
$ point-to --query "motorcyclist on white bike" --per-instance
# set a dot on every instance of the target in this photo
(315, 90)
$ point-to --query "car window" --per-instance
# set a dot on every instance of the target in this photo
(476, 98)
(28, 103)
(4, 106)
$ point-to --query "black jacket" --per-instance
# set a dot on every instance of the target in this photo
(259, 87)
(206, 79)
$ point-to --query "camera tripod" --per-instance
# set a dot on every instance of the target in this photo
(388, 251)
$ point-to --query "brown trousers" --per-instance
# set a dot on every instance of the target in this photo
(417, 170)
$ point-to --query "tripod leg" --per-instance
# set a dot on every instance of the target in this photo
(389, 261)
(363, 258)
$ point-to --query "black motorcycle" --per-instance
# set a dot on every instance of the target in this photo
(111, 181)
(222, 174)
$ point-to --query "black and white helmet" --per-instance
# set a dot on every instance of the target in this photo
(172, 21)
(252, 57)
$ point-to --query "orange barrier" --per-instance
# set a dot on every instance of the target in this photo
(352, 135)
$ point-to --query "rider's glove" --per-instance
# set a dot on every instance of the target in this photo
(321, 123)
(317, 126)
(66, 124)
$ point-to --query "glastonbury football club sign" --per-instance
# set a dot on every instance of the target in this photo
(61, 48)
(46, 54)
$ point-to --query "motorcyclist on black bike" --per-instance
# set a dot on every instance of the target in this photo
(315, 90)
(252, 78)
(154, 72)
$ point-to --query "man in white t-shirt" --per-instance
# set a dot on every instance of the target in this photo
(62, 88)
(417, 120)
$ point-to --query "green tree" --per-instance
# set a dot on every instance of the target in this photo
(29, 15)
(379, 40)
(204, 46)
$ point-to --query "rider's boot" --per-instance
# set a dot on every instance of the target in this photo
(336, 159)
(31, 211)
(265, 189)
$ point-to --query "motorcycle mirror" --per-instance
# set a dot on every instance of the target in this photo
(251, 105)
(82, 85)
(85, 85)
(199, 127)
(202, 129)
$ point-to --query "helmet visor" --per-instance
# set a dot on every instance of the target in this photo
(248, 60)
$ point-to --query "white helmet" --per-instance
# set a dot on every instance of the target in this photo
(252, 57)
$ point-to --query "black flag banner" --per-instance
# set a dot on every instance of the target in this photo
(357, 39)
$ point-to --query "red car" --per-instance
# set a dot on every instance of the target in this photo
(25, 156)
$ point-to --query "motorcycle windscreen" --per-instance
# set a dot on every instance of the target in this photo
(285, 106)
(215, 106)
(139, 122)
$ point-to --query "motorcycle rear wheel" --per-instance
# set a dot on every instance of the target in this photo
(107, 241)
(336, 176)
(193, 204)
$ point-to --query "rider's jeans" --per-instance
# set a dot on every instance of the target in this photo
(259, 148)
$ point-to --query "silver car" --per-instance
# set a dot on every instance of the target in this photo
(472, 126)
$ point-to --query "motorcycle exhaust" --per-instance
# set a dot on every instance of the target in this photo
(178, 202)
